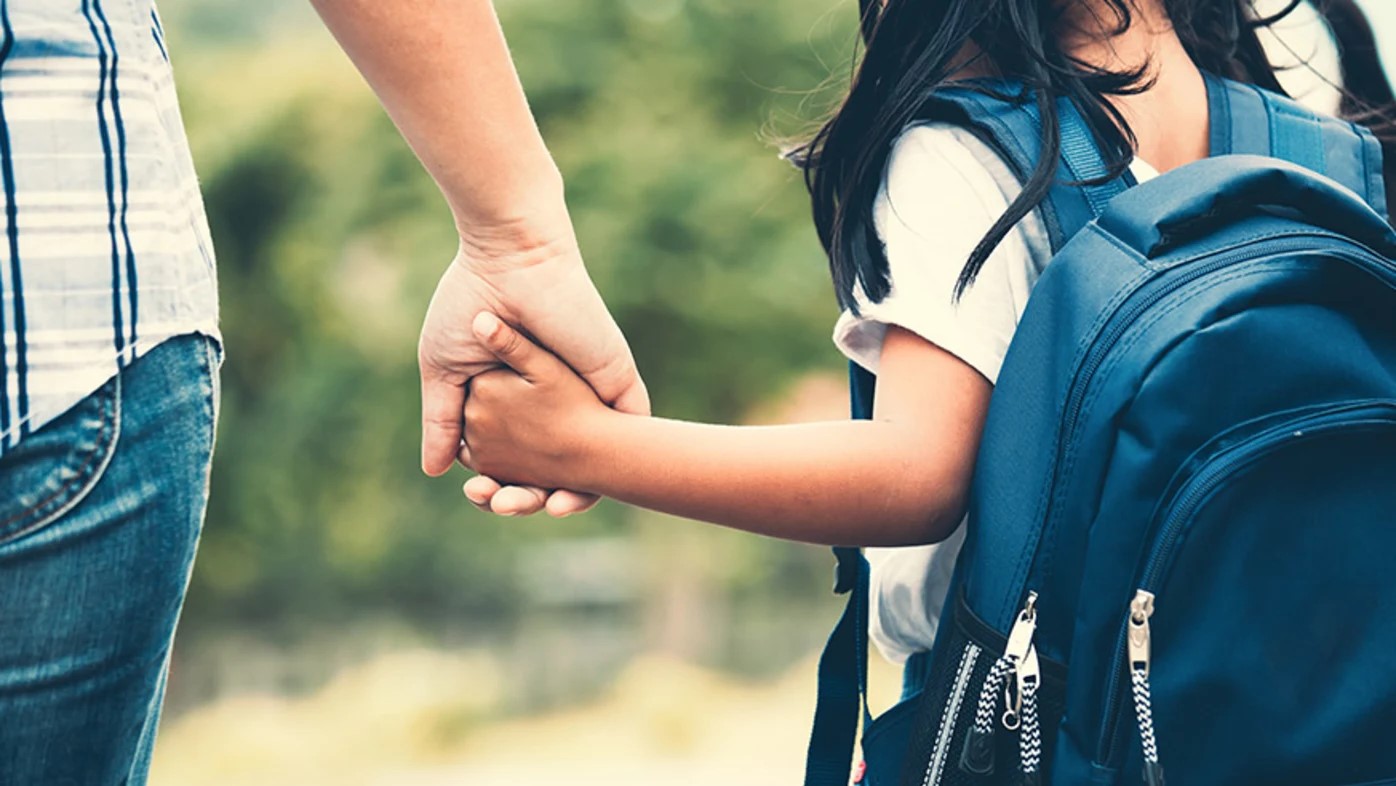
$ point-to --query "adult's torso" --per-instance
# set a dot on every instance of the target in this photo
(104, 246)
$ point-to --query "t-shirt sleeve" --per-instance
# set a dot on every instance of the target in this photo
(938, 200)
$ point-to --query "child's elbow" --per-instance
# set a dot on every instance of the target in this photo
(927, 519)
(939, 525)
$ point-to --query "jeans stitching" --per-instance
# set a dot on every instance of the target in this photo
(87, 475)
(211, 372)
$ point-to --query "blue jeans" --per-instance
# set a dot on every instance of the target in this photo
(100, 513)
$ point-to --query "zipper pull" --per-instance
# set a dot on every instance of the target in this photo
(1016, 652)
(1029, 674)
(1020, 636)
(1140, 646)
(977, 757)
(1140, 655)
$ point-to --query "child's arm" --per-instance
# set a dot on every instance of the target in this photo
(899, 479)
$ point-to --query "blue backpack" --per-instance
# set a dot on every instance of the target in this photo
(1182, 535)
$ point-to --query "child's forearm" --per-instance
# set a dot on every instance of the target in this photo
(864, 483)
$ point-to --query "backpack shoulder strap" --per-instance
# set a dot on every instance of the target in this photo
(843, 681)
(1249, 120)
(1001, 114)
(843, 666)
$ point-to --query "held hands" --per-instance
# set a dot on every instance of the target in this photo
(531, 276)
(532, 422)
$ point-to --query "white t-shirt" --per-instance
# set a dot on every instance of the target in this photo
(943, 190)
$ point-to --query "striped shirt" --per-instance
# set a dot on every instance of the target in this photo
(104, 246)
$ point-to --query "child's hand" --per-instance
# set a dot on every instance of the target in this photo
(530, 423)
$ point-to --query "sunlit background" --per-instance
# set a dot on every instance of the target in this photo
(354, 622)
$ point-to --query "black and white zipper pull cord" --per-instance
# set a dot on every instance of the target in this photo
(1140, 610)
(1030, 737)
(978, 755)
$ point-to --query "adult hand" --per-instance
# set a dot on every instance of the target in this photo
(535, 280)
(442, 71)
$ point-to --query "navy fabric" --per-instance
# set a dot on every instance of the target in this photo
(1204, 379)
(1211, 358)
(1216, 192)
(1248, 120)
(842, 680)
(1200, 402)
(843, 666)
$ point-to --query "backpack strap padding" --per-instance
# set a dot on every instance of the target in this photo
(1297, 137)
(1014, 130)
(1251, 121)
(1082, 160)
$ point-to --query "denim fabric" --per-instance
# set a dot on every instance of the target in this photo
(100, 514)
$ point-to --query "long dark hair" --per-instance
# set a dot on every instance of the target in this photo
(1367, 94)
(913, 46)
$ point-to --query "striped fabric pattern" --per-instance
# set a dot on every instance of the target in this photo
(105, 251)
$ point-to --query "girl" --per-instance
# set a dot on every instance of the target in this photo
(934, 247)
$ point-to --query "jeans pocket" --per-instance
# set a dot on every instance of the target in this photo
(54, 468)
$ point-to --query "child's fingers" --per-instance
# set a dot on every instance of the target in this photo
(488, 495)
(480, 490)
(563, 503)
(518, 501)
(512, 348)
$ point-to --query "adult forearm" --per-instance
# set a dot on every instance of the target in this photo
(442, 70)
(845, 483)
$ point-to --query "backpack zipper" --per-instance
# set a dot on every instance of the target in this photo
(1122, 321)
(1140, 653)
(935, 771)
(1191, 495)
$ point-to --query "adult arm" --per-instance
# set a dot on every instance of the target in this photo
(442, 71)
(901, 478)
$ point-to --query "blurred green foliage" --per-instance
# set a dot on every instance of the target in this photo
(661, 114)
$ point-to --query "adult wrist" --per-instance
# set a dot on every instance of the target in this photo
(516, 219)
(503, 246)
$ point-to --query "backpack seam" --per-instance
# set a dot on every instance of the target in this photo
(1159, 266)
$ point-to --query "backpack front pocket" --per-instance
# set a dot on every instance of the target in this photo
(975, 724)
(1261, 622)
